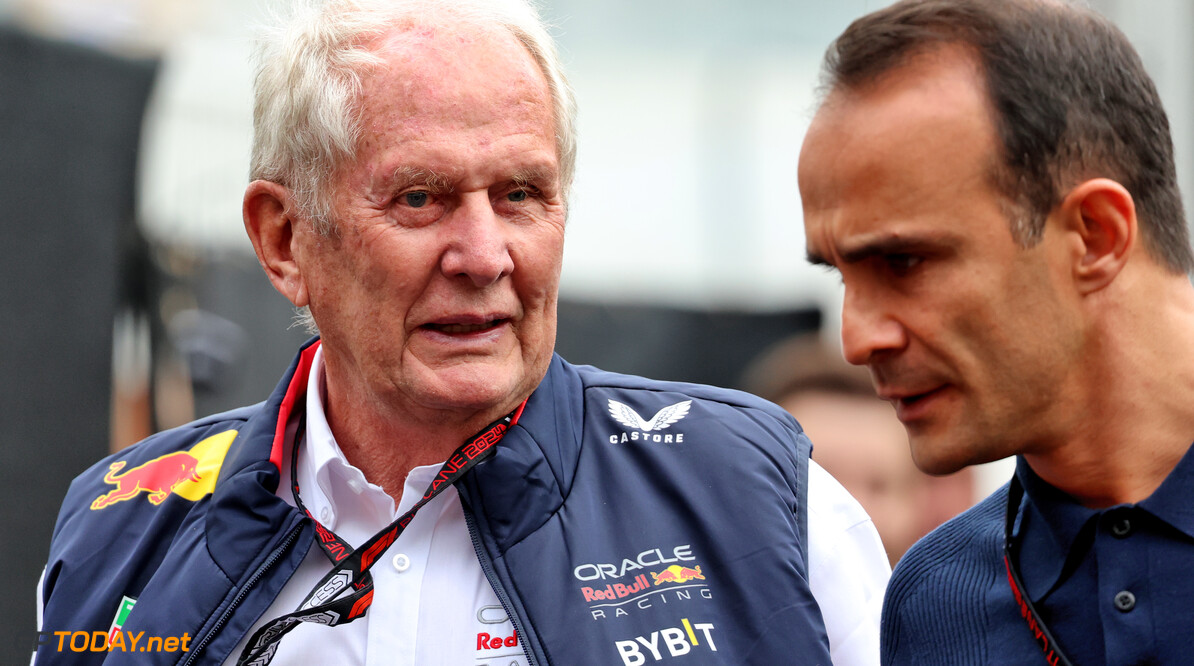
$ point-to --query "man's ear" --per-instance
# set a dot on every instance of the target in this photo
(273, 229)
(1102, 214)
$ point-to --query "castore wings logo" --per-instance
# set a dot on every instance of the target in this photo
(664, 418)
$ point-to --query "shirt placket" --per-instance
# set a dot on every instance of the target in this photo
(398, 588)
(1125, 601)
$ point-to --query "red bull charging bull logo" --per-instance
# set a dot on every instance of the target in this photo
(677, 574)
(158, 477)
(189, 474)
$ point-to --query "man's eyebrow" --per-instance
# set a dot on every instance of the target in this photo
(405, 176)
(816, 259)
(885, 244)
(533, 175)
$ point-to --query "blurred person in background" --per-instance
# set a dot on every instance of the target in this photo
(995, 184)
(429, 483)
(859, 440)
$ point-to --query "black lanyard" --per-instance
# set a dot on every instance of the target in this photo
(324, 603)
(1052, 651)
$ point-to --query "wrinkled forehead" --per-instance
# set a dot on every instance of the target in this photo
(433, 76)
(430, 54)
(435, 39)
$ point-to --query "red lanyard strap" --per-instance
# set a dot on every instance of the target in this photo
(1044, 640)
(350, 567)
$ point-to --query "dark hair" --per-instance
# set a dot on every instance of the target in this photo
(1071, 101)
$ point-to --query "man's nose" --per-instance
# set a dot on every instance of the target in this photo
(870, 328)
(479, 246)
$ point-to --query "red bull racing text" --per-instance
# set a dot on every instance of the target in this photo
(616, 590)
(640, 593)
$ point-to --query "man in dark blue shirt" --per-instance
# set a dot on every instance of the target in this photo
(995, 183)
(1114, 578)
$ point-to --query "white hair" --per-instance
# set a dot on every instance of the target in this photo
(306, 99)
(306, 121)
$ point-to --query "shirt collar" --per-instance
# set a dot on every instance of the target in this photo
(328, 482)
(1171, 501)
(319, 445)
(1050, 522)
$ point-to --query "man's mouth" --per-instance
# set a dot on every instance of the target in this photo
(908, 405)
(911, 399)
(457, 329)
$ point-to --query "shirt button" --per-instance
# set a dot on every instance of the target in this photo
(1125, 601)
(1121, 527)
(402, 563)
(325, 516)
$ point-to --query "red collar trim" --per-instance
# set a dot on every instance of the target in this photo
(518, 413)
(296, 393)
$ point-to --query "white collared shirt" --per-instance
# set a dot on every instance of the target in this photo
(433, 605)
(431, 601)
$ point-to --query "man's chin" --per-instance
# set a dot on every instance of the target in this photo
(474, 387)
(938, 455)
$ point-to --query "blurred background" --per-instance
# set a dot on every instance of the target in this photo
(134, 302)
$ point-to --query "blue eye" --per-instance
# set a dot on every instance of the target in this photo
(415, 199)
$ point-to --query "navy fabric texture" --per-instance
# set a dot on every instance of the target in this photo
(949, 601)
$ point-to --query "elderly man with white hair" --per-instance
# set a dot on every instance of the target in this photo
(430, 483)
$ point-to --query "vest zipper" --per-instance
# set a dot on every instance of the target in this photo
(243, 592)
(504, 598)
